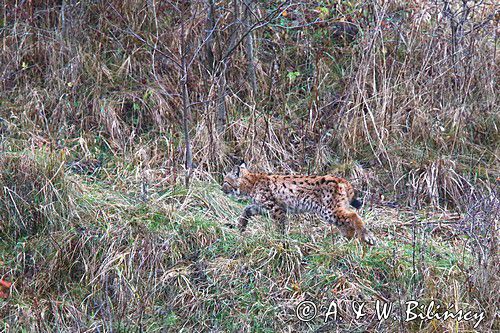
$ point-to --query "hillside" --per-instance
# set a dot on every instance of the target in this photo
(118, 120)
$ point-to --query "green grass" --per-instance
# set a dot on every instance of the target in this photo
(171, 263)
(407, 111)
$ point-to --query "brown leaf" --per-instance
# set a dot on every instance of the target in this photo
(4, 288)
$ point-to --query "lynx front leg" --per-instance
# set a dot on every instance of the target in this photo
(279, 215)
(248, 212)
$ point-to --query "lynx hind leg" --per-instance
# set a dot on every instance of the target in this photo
(248, 212)
(347, 231)
(350, 225)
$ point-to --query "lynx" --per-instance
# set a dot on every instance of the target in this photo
(327, 196)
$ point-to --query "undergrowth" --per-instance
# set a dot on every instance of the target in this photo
(118, 118)
(119, 263)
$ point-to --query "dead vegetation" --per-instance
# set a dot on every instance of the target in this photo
(119, 263)
(102, 104)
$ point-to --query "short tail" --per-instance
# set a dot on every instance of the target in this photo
(356, 203)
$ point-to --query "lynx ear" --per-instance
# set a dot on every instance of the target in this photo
(242, 169)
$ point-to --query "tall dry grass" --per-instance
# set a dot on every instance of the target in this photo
(398, 96)
(36, 196)
(414, 90)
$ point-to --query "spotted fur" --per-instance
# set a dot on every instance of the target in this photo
(327, 196)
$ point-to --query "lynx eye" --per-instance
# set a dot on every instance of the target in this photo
(228, 186)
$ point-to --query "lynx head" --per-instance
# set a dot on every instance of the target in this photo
(232, 180)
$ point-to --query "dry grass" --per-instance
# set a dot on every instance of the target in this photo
(416, 85)
(118, 263)
(35, 193)
(98, 235)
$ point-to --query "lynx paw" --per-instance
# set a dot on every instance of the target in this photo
(368, 238)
